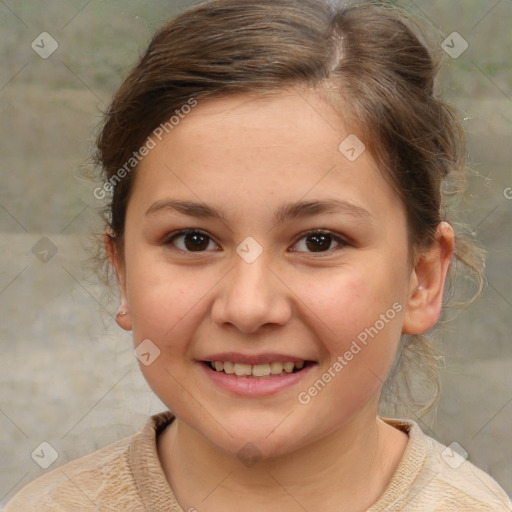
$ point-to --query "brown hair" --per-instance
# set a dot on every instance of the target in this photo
(367, 58)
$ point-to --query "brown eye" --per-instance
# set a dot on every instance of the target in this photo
(190, 240)
(318, 241)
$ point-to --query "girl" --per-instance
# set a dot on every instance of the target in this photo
(275, 224)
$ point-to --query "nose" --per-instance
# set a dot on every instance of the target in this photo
(250, 296)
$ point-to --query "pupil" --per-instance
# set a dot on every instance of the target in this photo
(198, 241)
(321, 242)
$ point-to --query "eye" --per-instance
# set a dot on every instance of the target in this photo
(190, 240)
(318, 241)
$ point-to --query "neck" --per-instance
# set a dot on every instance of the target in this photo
(352, 465)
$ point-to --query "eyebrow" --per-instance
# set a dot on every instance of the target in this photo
(298, 209)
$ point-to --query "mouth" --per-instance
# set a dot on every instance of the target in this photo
(255, 375)
(274, 369)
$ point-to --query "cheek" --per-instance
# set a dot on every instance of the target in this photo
(346, 303)
(164, 299)
(358, 322)
(166, 306)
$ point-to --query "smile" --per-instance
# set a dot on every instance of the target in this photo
(273, 369)
(256, 380)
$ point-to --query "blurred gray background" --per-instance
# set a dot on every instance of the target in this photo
(67, 372)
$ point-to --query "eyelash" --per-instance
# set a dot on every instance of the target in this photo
(168, 241)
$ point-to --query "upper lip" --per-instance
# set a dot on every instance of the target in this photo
(236, 357)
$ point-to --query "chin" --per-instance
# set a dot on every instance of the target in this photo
(250, 450)
(265, 439)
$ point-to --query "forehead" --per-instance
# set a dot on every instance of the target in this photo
(246, 148)
(275, 127)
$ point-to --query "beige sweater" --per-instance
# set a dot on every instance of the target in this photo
(126, 476)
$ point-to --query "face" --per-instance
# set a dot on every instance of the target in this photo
(292, 254)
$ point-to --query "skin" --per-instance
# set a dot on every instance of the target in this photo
(248, 156)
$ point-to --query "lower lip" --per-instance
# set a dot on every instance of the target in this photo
(255, 387)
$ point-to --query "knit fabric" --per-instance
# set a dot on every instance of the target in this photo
(127, 476)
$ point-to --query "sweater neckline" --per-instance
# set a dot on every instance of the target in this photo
(152, 485)
(156, 494)
(408, 469)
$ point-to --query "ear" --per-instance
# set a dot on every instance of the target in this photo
(425, 299)
(123, 317)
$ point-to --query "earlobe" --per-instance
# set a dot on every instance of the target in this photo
(123, 317)
(423, 305)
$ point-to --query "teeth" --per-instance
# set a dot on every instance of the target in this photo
(257, 370)
(261, 370)
(276, 368)
(242, 369)
(229, 367)
(288, 367)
